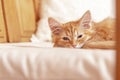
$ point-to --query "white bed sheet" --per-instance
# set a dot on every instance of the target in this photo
(39, 61)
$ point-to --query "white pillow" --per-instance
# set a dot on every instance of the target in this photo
(68, 10)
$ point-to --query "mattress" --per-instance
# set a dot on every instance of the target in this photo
(40, 61)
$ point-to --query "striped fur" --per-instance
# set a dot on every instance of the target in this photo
(76, 34)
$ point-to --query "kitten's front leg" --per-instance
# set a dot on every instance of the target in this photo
(100, 45)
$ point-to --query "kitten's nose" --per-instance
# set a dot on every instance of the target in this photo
(74, 46)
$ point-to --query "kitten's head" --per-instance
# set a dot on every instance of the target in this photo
(72, 34)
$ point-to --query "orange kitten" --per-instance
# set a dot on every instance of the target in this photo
(83, 33)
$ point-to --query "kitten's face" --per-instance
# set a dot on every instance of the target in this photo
(72, 34)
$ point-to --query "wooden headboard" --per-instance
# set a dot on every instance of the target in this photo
(18, 20)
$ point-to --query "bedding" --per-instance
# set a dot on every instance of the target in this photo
(39, 61)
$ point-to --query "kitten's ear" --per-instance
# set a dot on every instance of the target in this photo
(55, 26)
(85, 22)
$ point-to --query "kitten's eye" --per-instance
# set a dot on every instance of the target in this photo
(66, 38)
(80, 36)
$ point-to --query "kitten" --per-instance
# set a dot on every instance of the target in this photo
(83, 33)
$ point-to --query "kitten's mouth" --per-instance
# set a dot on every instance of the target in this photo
(74, 46)
(78, 46)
